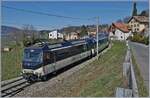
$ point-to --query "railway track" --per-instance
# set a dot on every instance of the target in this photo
(11, 87)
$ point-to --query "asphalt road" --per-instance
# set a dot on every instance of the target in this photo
(141, 53)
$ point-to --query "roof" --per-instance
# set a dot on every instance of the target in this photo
(141, 19)
(74, 33)
(39, 46)
(46, 45)
(121, 26)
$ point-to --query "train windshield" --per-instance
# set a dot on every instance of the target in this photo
(33, 56)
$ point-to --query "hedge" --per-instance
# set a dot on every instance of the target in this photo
(139, 38)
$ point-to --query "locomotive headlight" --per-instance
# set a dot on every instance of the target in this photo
(27, 71)
(36, 73)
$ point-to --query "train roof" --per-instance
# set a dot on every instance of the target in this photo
(46, 45)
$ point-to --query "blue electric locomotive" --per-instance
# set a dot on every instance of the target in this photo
(42, 59)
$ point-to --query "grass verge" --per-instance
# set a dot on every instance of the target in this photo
(143, 92)
(110, 74)
(11, 63)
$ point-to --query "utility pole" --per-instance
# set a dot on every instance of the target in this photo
(97, 36)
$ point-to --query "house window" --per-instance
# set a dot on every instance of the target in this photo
(137, 25)
(50, 34)
(121, 37)
(131, 25)
(137, 29)
(134, 25)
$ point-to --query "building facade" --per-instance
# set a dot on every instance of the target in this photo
(138, 23)
(55, 35)
(119, 31)
(92, 33)
(72, 36)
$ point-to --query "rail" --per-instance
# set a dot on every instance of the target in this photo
(11, 87)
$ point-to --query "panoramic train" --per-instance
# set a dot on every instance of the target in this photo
(43, 58)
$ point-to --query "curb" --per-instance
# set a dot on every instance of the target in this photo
(130, 85)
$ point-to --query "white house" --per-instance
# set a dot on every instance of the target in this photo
(55, 35)
(119, 31)
(6, 49)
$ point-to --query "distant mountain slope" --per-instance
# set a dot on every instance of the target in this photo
(5, 30)
(7, 34)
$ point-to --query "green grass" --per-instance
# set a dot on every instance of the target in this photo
(143, 92)
(98, 78)
(11, 63)
(110, 75)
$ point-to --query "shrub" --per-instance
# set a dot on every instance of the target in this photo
(146, 40)
(140, 38)
(129, 38)
(27, 42)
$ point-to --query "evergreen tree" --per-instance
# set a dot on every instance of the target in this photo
(134, 13)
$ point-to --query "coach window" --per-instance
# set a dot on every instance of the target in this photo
(84, 47)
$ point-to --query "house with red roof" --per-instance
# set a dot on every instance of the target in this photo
(119, 31)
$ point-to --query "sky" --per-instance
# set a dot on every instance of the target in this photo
(108, 12)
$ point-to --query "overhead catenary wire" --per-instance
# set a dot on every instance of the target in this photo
(48, 14)
(51, 27)
(24, 24)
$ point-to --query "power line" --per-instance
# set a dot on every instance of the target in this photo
(37, 26)
(43, 13)
(23, 24)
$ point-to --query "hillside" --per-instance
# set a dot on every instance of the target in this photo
(5, 30)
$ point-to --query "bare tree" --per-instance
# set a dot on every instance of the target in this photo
(29, 34)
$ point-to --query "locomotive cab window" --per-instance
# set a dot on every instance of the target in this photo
(32, 56)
